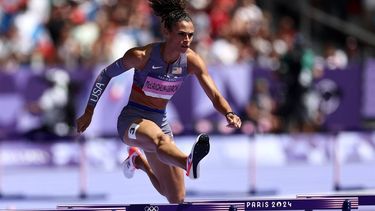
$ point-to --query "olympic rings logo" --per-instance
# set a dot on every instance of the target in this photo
(151, 208)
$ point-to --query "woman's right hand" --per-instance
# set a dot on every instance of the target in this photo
(84, 121)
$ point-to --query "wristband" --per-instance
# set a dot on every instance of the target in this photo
(230, 112)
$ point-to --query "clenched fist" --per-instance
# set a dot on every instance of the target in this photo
(84, 121)
(233, 120)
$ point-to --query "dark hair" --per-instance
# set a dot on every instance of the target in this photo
(170, 11)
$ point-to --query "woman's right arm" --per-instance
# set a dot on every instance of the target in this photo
(101, 82)
(132, 58)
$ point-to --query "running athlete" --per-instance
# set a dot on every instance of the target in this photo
(160, 69)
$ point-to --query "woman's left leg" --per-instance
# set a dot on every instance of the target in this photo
(141, 163)
(170, 178)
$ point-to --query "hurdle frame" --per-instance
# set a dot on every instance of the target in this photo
(307, 204)
(82, 194)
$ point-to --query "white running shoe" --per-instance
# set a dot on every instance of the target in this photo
(199, 150)
(128, 164)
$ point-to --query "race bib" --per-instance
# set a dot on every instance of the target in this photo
(158, 88)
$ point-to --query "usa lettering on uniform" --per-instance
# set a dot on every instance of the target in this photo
(97, 91)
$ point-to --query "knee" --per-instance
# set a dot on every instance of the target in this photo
(162, 140)
(176, 198)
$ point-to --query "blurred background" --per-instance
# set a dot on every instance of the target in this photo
(300, 75)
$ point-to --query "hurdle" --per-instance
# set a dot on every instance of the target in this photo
(254, 190)
(83, 194)
(337, 166)
(307, 204)
(363, 199)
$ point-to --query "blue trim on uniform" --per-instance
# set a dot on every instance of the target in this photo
(143, 107)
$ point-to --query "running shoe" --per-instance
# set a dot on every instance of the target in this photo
(200, 149)
(128, 164)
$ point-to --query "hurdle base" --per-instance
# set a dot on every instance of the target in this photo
(49, 197)
(258, 192)
(347, 188)
(215, 194)
(83, 195)
(11, 196)
(252, 192)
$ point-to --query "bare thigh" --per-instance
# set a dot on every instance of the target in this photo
(147, 135)
(171, 178)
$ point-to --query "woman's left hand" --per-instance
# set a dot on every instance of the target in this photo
(233, 120)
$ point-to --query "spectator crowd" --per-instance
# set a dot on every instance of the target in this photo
(84, 33)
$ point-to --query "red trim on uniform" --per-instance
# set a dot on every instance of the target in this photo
(137, 88)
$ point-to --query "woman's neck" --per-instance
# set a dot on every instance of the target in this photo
(168, 53)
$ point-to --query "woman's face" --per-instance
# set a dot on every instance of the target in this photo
(181, 35)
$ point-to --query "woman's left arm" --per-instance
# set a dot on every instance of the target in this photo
(198, 68)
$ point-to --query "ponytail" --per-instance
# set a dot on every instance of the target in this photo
(170, 11)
